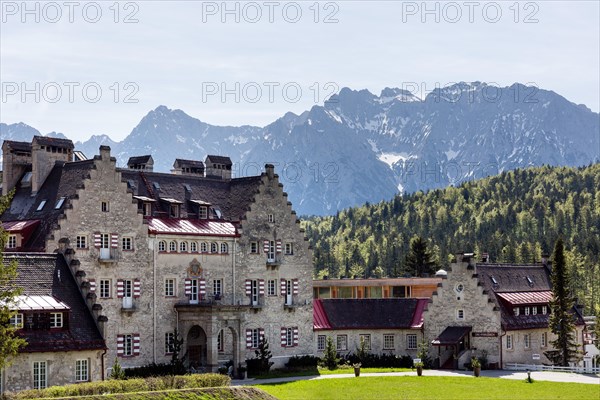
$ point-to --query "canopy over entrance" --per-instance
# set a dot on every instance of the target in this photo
(452, 335)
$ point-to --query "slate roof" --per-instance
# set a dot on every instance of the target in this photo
(368, 313)
(451, 335)
(511, 280)
(232, 197)
(50, 141)
(219, 160)
(62, 181)
(139, 159)
(180, 163)
(49, 275)
(19, 146)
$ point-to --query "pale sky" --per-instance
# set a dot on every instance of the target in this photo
(278, 56)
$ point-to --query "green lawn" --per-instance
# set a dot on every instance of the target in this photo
(432, 387)
(310, 372)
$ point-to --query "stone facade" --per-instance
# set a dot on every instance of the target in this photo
(60, 369)
(382, 341)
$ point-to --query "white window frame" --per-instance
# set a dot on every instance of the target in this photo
(544, 310)
(174, 211)
(105, 285)
(218, 287)
(253, 247)
(271, 218)
(203, 247)
(127, 345)
(367, 339)
(527, 310)
(224, 248)
(289, 249)
(127, 243)
(203, 212)
(169, 342)
(411, 341)
(11, 242)
(527, 341)
(40, 374)
(193, 247)
(214, 248)
(389, 341)
(17, 321)
(172, 246)
(321, 341)
(516, 311)
(341, 342)
(169, 287)
(82, 370)
(271, 287)
(81, 242)
(509, 342)
(183, 247)
(147, 209)
(56, 320)
(255, 338)
(162, 245)
(289, 337)
(534, 310)
(460, 314)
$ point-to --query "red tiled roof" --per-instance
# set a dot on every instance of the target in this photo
(417, 321)
(198, 227)
(320, 320)
(517, 298)
(19, 226)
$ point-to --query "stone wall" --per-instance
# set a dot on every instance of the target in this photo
(60, 368)
(479, 312)
(400, 348)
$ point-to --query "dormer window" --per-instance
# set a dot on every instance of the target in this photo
(17, 321)
(544, 310)
(174, 211)
(11, 243)
(59, 203)
(494, 281)
(529, 281)
(202, 212)
(147, 209)
(516, 310)
(41, 205)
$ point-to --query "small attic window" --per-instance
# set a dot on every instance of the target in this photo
(27, 178)
(494, 281)
(156, 185)
(529, 281)
(131, 184)
(217, 213)
(41, 205)
(59, 203)
(187, 187)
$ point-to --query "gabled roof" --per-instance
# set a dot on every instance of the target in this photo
(180, 163)
(139, 159)
(394, 313)
(219, 160)
(48, 277)
(62, 181)
(18, 146)
(51, 141)
(519, 283)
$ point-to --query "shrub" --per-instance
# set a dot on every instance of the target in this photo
(302, 361)
(379, 360)
(260, 363)
(330, 358)
(127, 386)
(117, 372)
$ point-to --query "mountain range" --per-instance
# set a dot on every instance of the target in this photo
(359, 147)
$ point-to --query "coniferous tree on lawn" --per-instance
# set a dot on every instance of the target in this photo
(419, 260)
(562, 320)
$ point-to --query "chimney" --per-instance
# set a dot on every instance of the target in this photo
(485, 258)
(16, 161)
(270, 170)
(218, 167)
(188, 167)
(45, 151)
(144, 163)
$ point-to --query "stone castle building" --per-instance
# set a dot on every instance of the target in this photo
(221, 261)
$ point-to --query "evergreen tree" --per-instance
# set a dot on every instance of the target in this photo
(117, 372)
(10, 343)
(562, 322)
(330, 358)
(263, 354)
(419, 260)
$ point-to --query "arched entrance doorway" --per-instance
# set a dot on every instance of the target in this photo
(227, 343)
(196, 347)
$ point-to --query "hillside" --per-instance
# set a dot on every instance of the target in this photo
(515, 217)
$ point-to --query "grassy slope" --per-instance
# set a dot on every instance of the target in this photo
(412, 388)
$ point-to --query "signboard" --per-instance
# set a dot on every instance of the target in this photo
(416, 360)
(535, 356)
(484, 334)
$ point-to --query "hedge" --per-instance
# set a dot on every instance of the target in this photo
(127, 386)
